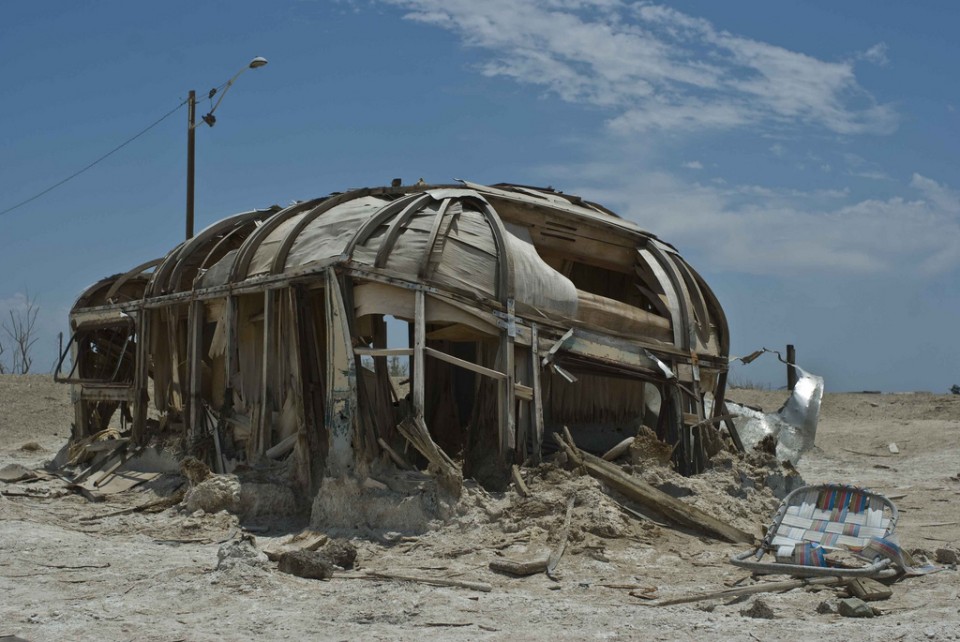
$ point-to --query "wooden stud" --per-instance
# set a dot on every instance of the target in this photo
(194, 371)
(506, 399)
(537, 394)
(419, 343)
(340, 408)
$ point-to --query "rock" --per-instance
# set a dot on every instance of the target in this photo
(854, 607)
(340, 552)
(16, 472)
(214, 494)
(240, 552)
(759, 609)
(946, 556)
(309, 564)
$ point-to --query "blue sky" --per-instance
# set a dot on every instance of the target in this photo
(802, 155)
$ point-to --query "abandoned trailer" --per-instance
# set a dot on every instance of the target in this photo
(263, 341)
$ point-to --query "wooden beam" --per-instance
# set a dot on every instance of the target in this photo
(419, 346)
(341, 381)
(456, 361)
(435, 232)
(142, 399)
(641, 492)
(268, 363)
(194, 350)
(507, 396)
(383, 352)
(537, 394)
(522, 392)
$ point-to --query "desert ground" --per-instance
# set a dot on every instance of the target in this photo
(72, 569)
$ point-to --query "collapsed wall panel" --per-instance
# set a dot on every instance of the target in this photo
(528, 310)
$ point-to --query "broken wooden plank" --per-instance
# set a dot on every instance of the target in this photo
(448, 358)
(643, 493)
(763, 587)
(518, 481)
(421, 579)
(282, 448)
(557, 553)
(520, 568)
(415, 431)
(397, 458)
(869, 590)
(618, 450)
(537, 394)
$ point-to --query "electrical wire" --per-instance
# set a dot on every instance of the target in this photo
(102, 158)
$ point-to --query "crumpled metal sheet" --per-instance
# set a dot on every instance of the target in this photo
(794, 425)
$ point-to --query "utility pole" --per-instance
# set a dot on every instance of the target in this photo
(791, 371)
(191, 151)
(210, 120)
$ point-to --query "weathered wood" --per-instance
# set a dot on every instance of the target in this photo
(268, 361)
(417, 434)
(558, 344)
(435, 233)
(621, 318)
(763, 587)
(518, 481)
(419, 345)
(869, 590)
(383, 352)
(422, 579)
(732, 428)
(341, 381)
(557, 553)
(283, 447)
(397, 458)
(618, 450)
(523, 393)
(506, 399)
(537, 394)
(645, 494)
(456, 361)
(520, 568)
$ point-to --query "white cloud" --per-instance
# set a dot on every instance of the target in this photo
(656, 68)
(695, 164)
(877, 54)
(758, 229)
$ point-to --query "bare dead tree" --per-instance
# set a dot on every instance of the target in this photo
(3, 368)
(21, 330)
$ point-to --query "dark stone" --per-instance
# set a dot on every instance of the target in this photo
(309, 564)
(854, 607)
(340, 553)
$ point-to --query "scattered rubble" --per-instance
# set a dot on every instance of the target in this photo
(854, 607)
(758, 609)
(312, 565)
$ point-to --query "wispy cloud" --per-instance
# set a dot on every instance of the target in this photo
(877, 54)
(762, 230)
(657, 68)
(695, 164)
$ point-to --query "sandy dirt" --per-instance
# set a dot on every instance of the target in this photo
(71, 571)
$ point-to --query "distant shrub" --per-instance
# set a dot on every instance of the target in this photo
(955, 389)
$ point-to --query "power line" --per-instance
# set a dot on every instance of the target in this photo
(102, 158)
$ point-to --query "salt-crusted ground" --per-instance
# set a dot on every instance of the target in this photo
(68, 571)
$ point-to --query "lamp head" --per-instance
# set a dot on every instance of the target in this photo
(258, 62)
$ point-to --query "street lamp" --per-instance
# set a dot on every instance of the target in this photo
(210, 120)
